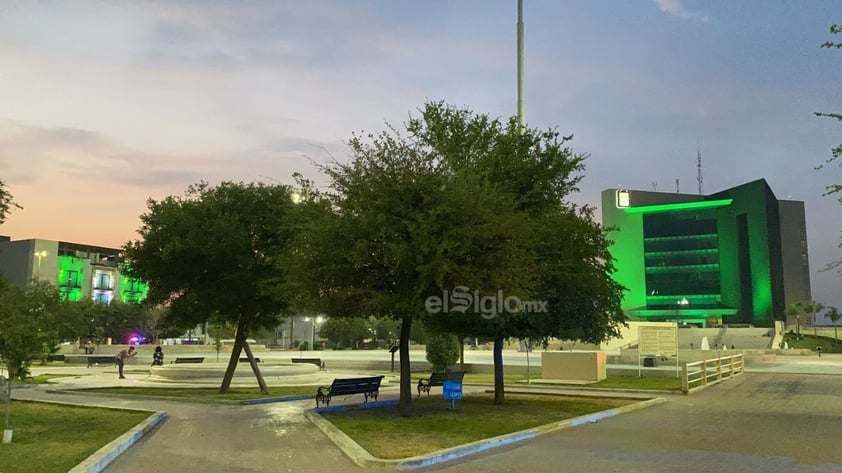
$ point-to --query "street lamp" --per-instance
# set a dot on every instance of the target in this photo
(40, 254)
(314, 322)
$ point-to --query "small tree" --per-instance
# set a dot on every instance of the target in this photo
(6, 202)
(834, 316)
(27, 324)
(218, 333)
(442, 351)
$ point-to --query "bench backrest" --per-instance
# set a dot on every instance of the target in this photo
(355, 385)
(190, 360)
(307, 360)
(437, 379)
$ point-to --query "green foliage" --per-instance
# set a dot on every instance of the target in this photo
(442, 351)
(835, 29)
(7, 202)
(220, 332)
(345, 332)
(28, 327)
(210, 256)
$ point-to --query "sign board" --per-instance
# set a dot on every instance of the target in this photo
(658, 340)
(452, 390)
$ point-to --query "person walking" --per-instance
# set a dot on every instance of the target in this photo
(158, 357)
(120, 359)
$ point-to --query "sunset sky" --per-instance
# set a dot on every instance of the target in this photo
(104, 104)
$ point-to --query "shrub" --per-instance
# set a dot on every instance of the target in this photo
(442, 351)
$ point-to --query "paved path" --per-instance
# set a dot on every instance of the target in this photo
(768, 422)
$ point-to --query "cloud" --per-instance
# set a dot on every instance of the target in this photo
(677, 8)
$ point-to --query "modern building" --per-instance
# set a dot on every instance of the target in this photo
(79, 271)
(738, 256)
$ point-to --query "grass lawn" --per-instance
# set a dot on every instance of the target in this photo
(45, 378)
(809, 341)
(235, 394)
(434, 426)
(52, 438)
(665, 383)
(614, 382)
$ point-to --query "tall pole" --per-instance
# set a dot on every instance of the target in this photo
(521, 117)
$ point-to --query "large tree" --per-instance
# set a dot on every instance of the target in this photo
(209, 256)
(397, 228)
(539, 171)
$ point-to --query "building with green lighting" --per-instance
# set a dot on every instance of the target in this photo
(79, 271)
(738, 256)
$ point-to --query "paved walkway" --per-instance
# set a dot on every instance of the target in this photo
(770, 422)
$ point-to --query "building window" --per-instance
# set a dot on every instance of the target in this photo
(102, 281)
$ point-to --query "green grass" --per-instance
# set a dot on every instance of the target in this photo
(52, 438)
(665, 383)
(612, 382)
(45, 378)
(235, 394)
(808, 341)
(434, 427)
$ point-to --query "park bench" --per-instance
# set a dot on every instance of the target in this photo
(438, 379)
(100, 359)
(314, 361)
(56, 358)
(245, 360)
(369, 387)
(188, 359)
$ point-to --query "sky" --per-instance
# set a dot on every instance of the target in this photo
(105, 104)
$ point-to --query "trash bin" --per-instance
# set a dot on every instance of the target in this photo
(649, 361)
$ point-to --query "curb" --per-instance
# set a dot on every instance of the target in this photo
(140, 397)
(107, 454)
(296, 397)
(362, 458)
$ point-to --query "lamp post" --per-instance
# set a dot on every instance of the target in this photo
(40, 254)
(314, 322)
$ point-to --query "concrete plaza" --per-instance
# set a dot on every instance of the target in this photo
(783, 418)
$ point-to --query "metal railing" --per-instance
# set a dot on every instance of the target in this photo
(701, 374)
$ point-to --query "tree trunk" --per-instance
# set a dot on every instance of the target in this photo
(405, 406)
(257, 374)
(835, 334)
(239, 340)
(499, 393)
(8, 399)
(462, 354)
(815, 330)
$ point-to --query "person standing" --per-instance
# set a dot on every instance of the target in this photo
(120, 359)
(158, 357)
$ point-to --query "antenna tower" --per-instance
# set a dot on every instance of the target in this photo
(676, 186)
(699, 166)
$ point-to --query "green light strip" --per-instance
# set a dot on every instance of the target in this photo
(682, 312)
(701, 236)
(707, 251)
(689, 268)
(650, 209)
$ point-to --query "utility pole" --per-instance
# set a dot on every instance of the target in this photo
(521, 117)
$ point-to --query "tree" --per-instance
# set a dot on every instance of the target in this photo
(795, 309)
(208, 256)
(538, 171)
(837, 151)
(834, 316)
(396, 228)
(7, 202)
(442, 351)
(218, 333)
(345, 332)
(27, 324)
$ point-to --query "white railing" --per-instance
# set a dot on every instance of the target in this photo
(701, 374)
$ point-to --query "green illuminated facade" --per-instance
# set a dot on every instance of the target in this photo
(79, 271)
(737, 256)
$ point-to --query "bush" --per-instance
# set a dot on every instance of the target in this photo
(442, 351)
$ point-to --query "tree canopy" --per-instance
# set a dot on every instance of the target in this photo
(456, 200)
(7, 202)
(836, 152)
(209, 255)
